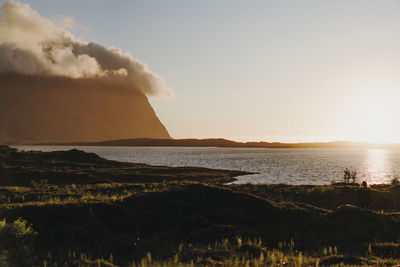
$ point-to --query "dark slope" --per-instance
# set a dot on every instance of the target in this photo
(102, 207)
(197, 214)
(55, 109)
(78, 167)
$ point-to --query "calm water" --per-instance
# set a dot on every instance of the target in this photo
(293, 166)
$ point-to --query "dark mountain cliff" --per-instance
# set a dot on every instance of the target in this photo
(55, 109)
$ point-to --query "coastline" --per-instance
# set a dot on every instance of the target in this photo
(318, 166)
(129, 210)
(217, 142)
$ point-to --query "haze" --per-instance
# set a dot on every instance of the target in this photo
(287, 71)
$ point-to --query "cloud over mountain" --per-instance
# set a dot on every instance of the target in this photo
(57, 88)
(33, 45)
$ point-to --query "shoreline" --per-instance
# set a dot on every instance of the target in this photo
(187, 215)
(253, 163)
(217, 142)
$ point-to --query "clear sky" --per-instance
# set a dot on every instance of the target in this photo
(258, 70)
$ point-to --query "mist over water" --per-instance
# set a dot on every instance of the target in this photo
(292, 166)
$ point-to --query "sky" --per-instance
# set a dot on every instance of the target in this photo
(288, 71)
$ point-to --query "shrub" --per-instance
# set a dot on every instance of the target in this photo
(395, 181)
(349, 175)
(16, 242)
(42, 188)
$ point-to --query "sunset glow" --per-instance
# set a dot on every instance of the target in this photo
(373, 118)
(260, 72)
(199, 133)
(376, 162)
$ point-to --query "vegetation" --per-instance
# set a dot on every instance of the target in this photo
(349, 175)
(73, 208)
(16, 242)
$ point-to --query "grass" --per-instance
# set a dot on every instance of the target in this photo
(88, 211)
(240, 252)
(385, 196)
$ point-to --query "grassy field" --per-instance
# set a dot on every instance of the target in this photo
(71, 208)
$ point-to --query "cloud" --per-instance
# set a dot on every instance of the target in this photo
(64, 22)
(33, 45)
(69, 23)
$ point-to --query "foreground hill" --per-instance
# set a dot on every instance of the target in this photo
(71, 208)
(57, 109)
(78, 167)
(159, 221)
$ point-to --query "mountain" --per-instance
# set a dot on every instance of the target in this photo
(57, 109)
(220, 142)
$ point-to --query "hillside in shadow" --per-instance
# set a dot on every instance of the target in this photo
(86, 210)
(58, 109)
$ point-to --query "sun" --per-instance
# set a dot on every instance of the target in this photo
(373, 119)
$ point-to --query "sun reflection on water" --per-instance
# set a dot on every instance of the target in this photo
(376, 162)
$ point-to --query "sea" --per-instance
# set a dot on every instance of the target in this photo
(316, 166)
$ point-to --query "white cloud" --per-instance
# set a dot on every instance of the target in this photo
(65, 22)
(31, 44)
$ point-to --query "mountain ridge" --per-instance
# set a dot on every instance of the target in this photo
(221, 142)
